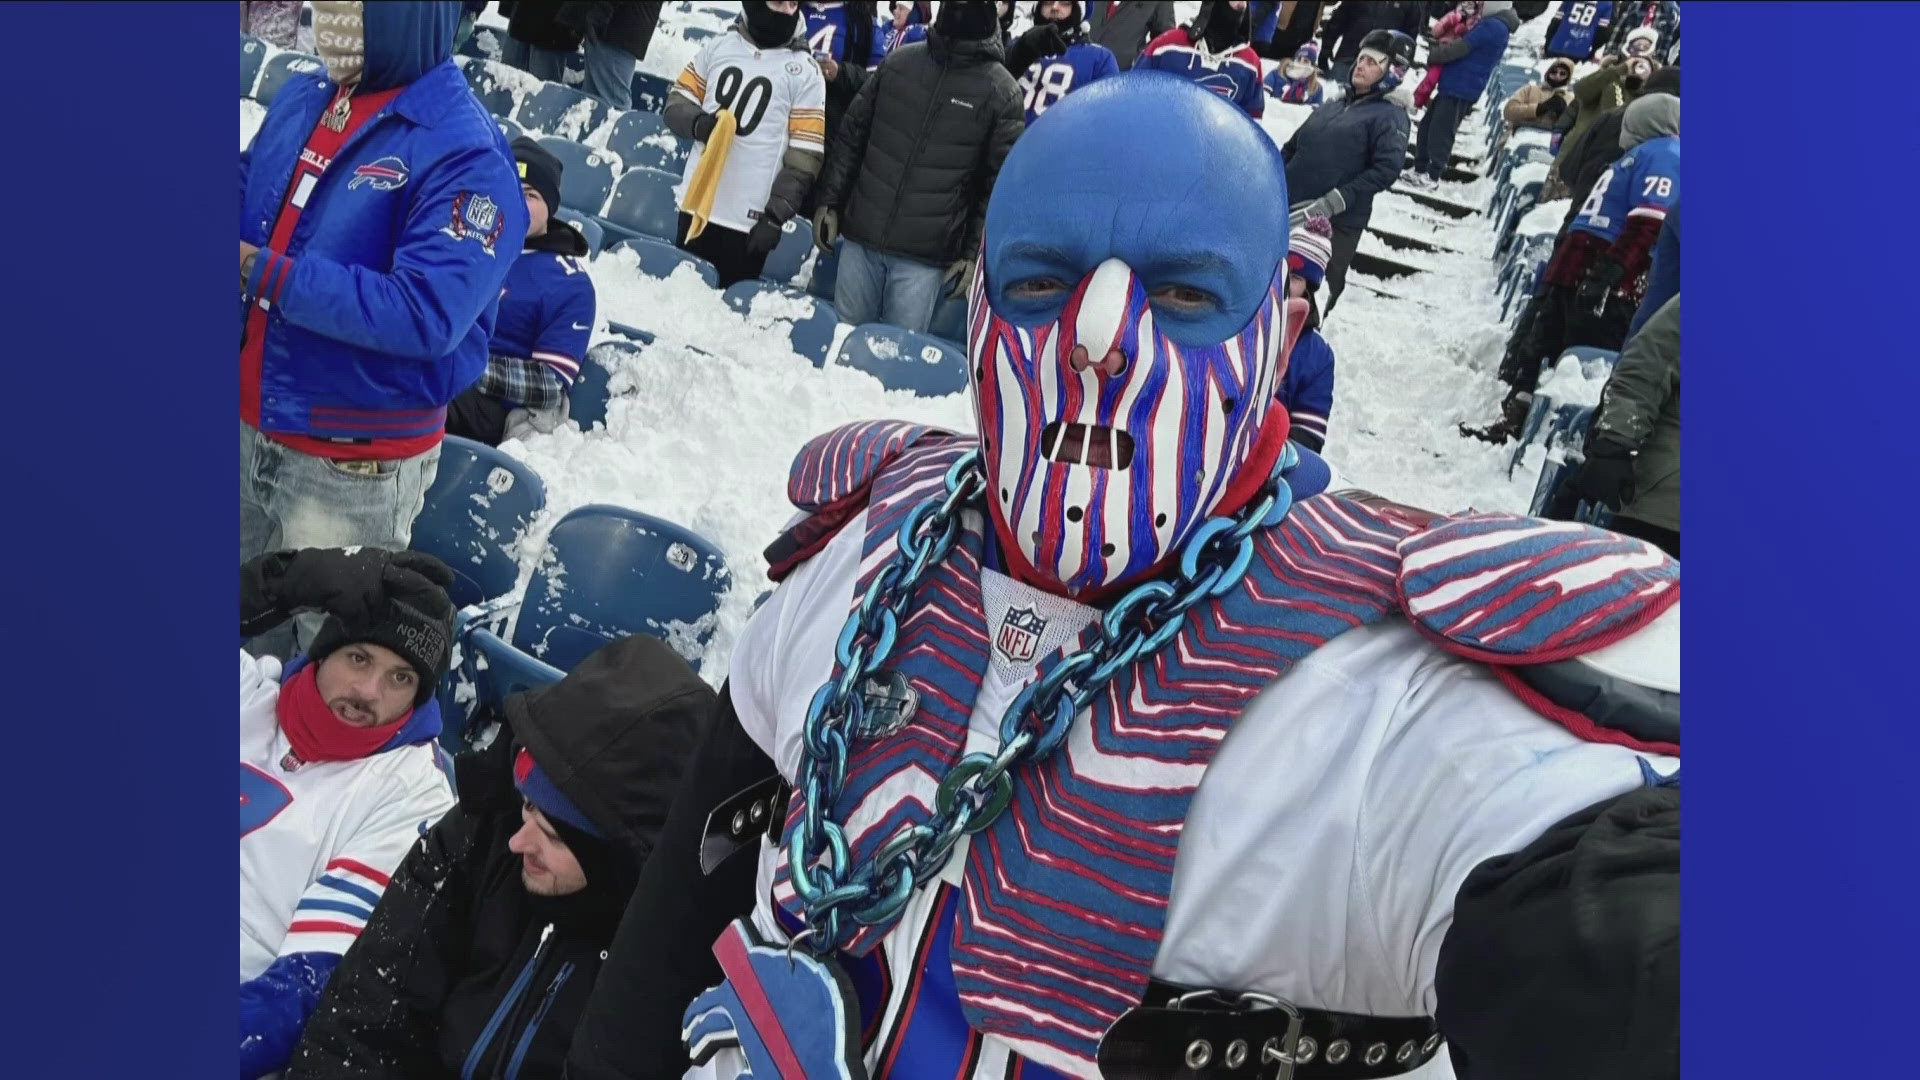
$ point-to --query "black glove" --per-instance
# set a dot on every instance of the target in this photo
(352, 584)
(1551, 108)
(1607, 475)
(764, 235)
(1597, 285)
(1041, 39)
(703, 126)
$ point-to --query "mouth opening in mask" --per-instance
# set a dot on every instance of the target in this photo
(1096, 446)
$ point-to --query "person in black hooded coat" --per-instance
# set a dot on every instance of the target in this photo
(464, 970)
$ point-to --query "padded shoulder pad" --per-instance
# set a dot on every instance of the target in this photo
(1507, 590)
(831, 479)
(843, 462)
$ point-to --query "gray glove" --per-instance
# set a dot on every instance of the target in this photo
(1326, 206)
(958, 277)
(826, 227)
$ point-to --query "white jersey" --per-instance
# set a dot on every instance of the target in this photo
(779, 100)
(1326, 841)
(318, 842)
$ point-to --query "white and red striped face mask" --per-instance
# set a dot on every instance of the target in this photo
(1106, 443)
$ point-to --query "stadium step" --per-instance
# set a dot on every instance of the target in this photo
(1379, 267)
(1455, 171)
(1434, 202)
(1408, 243)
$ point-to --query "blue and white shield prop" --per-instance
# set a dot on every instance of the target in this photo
(810, 1034)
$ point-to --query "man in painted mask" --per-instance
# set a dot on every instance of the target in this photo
(379, 217)
(1213, 51)
(1104, 740)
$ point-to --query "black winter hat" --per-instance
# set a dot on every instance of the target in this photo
(537, 166)
(1665, 80)
(968, 20)
(416, 622)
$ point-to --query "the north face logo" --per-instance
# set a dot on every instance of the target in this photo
(1019, 636)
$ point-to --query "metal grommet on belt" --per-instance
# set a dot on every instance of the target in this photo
(1376, 1053)
(1337, 1051)
(1432, 1043)
(739, 822)
(759, 811)
(1405, 1053)
(1304, 1050)
(1199, 1052)
(1236, 1055)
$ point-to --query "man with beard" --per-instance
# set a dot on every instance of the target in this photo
(338, 775)
(1054, 58)
(1213, 51)
(481, 954)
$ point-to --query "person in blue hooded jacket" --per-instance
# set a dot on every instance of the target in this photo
(379, 216)
(1470, 60)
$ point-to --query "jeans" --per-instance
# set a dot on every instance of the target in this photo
(876, 287)
(1433, 151)
(290, 499)
(609, 73)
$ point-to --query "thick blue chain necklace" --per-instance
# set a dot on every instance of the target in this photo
(866, 701)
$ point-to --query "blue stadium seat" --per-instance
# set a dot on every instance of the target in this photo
(650, 92)
(485, 43)
(586, 175)
(614, 572)
(562, 111)
(631, 333)
(642, 204)
(499, 670)
(1551, 424)
(630, 128)
(696, 33)
(589, 228)
(493, 83)
(905, 360)
(282, 68)
(825, 269)
(660, 259)
(587, 400)
(811, 336)
(790, 254)
(479, 504)
(949, 322)
(1594, 362)
(253, 52)
(671, 158)
(509, 127)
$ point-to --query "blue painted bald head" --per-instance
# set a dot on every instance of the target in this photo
(1157, 172)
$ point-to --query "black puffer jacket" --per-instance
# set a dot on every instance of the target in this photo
(626, 25)
(915, 157)
(1353, 20)
(461, 971)
(1357, 145)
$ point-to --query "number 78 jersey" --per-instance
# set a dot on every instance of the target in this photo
(1643, 183)
(1051, 78)
(779, 101)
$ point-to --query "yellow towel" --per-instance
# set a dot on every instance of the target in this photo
(706, 176)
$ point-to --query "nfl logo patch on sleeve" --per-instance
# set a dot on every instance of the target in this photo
(475, 217)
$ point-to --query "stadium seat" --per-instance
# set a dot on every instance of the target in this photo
(825, 269)
(586, 175)
(642, 204)
(790, 254)
(589, 228)
(280, 68)
(499, 670)
(509, 127)
(632, 333)
(562, 111)
(479, 504)
(631, 128)
(905, 360)
(610, 572)
(660, 259)
(485, 43)
(1594, 362)
(253, 52)
(650, 92)
(811, 335)
(494, 83)
(587, 400)
(671, 158)
(696, 33)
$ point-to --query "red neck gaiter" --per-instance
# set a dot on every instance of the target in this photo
(316, 733)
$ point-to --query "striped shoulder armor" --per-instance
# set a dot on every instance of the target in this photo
(830, 481)
(1582, 624)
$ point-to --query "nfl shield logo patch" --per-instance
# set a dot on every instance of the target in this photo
(1019, 636)
(475, 217)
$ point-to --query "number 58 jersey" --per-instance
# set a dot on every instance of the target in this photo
(779, 100)
(1643, 183)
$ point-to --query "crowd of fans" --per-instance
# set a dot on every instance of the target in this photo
(434, 289)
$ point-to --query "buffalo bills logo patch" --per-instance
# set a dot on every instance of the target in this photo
(386, 174)
(1019, 636)
(261, 798)
(475, 217)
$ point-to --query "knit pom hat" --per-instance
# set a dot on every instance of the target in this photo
(539, 789)
(1310, 248)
